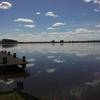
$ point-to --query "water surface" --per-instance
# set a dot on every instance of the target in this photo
(56, 71)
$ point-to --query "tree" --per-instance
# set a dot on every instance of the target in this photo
(61, 41)
(53, 41)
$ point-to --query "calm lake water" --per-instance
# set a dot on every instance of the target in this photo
(56, 71)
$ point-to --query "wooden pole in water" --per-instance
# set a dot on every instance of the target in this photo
(8, 53)
(4, 60)
(23, 59)
(5, 51)
(20, 86)
(14, 55)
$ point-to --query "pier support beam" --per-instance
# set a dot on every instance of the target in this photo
(8, 53)
(5, 51)
(4, 60)
(23, 59)
(14, 55)
(23, 66)
(20, 86)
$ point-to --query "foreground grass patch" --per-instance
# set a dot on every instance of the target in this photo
(17, 96)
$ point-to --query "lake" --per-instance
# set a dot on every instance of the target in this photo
(57, 71)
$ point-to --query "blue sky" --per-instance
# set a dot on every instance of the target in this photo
(39, 20)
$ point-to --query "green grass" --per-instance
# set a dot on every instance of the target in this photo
(11, 96)
(17, 95)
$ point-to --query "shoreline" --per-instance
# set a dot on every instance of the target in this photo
(58, 42)
(50, 42)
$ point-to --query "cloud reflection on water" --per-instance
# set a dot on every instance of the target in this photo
(51, 70)
(58, 61)
(79, 62)
(77, 49)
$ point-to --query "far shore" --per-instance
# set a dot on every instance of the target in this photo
(58, 42)
(51, 42)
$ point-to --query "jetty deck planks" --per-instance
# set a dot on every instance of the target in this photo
(11, 60)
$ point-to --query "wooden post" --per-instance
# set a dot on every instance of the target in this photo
(23, 66)
(24, 58)
(5, 51)
(20, 86)
(9, 53)
(14, 55)
(4, 60)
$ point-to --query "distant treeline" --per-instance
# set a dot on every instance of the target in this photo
(10, 41)
(62, 41)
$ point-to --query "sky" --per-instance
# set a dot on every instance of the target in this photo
(46, 20)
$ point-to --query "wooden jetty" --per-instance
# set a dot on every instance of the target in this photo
(8, 59)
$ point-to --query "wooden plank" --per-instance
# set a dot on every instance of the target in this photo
(11, 60)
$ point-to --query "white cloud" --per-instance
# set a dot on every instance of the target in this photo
(51, 14)
(77, 34)
(24, 20)
(97, 26)
(87, 0)
(30, 26)
(5, 5)
(84, 14)
(38, 13)
(94, 1)
(56, 26)
(81, 30)
(50, 28)
(96, 10)
(59, 24)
